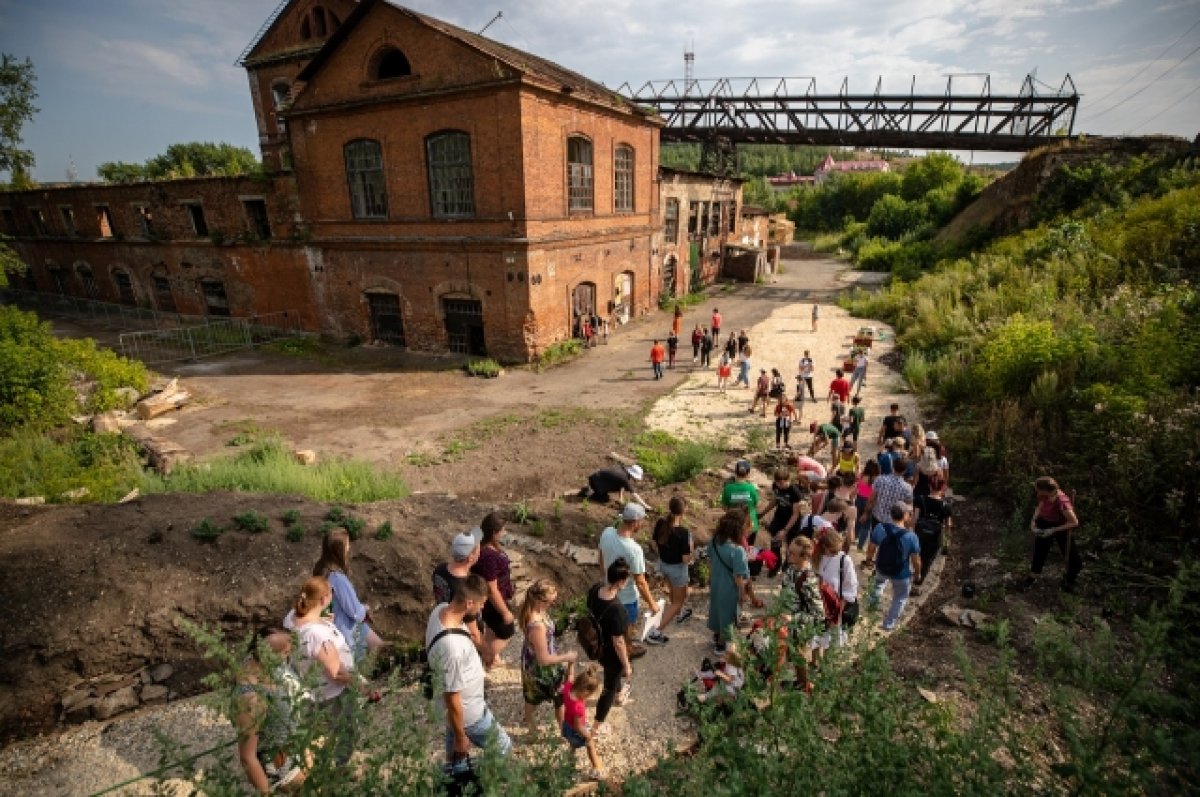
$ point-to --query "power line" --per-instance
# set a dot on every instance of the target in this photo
(1141, 71)
(1170, 107)
(1171, 69)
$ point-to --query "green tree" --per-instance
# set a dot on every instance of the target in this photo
(935, 170)
(17, 94)
(192, 159)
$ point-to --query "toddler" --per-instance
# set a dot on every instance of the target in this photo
(575, 729)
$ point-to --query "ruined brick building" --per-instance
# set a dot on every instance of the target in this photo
(425, 187)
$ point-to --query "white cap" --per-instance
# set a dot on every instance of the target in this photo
(635, 471)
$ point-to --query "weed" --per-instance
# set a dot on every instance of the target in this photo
(522, 511)
(558, 509)
(207, 531)
(335, 514)
(538, 528)
(420, 459)
(290, 517)
(554, 417)
(488, 368)
(561, 352)
(668, 459)
(354, 526)
(457, 449)
(384, 532)
(296, 532)
(251, 521)
(758, 437)
(326, 527)
(247, 433)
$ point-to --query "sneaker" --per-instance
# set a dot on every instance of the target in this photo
(595, 774)
(720, 648)
(684, 616)
(656, 637)
(284, 775)
(636, 651)
(623, 695)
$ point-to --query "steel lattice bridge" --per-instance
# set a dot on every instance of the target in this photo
(792, 111)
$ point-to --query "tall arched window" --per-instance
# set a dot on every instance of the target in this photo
(124, 284)
(623, 179)
(87, 280)
(579, 174)
(365, 178)
(391, 63)
(451, 183)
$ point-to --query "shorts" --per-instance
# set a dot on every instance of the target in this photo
(676, 575)
(573, 737)
(491, 619)
(633, 612)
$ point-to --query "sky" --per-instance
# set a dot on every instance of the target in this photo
(123, 79)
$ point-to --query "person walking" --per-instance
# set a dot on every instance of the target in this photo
(858, 416)
(865, 488)
(932, 515)
(674, 545)
(741, 493)
(731, 346)
(785, 414)
(617, 542)
(724, 369)
(806, 376)
(1054, 522)
(677, 321)
(729, 575)
(456, 662)
(788, 506)
(716, 324)
(574, 726)
(859, 377)
(743, 340)
(657, 355)
(706, 347)
(350, 616)
(605, 606)
(697, 337)
(672, 348)
(543, 669)
(896, 554)
(888, 490)
(839, 396)
(762, 391)
(816, 315)
(836, 569)
(265, 695)
(744, 363)
(496, 569)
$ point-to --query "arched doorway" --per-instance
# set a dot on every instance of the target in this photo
(583, 305)
(623, 297)
(387, 322)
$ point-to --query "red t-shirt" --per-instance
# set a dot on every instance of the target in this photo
(842, 388)
(716, 320)
(657, 353)
(574, 709)
(1055, 508)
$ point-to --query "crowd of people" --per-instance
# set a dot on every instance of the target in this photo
(890, 505)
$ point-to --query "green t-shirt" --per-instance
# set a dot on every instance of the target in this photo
(745, 494)
(857, 416)
(832, 432)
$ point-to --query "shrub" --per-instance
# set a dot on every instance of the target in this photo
(384, 532)
(269, 467)
(354, 527)
(34, 463)
(251, 521)
(207, 531)
(560, 352)
(296, 532)
(668, 459)
(335, 514)
(290, 517)
(486, 368)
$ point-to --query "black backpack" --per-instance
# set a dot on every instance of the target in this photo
(426, 670)
(589, 632)
(890, 560)
(931, 520)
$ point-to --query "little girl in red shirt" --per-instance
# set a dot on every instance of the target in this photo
(575, 728)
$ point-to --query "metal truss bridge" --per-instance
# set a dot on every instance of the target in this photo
(792, 111)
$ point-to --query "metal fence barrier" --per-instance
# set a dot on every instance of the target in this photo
(175, 336)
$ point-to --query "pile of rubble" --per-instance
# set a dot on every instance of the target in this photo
(107, 695)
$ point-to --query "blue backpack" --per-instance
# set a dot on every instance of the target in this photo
(890, 559)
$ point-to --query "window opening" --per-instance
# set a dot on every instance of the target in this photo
(163, 295)
(104, 221)
(387, 323)
(319, 26)
(364, 174)
(623, 180)
(68, 217)
(215, 299)
(392, 64)
(714, 220)
(56, 276)
(579, 174)
(124, 287)
(10, 221)
(693, 219)
(732, 216)
(671, 224)
(145, 220)
(88, 281)
(257, 219)
(306, 29)
(39, 221)
(195, 213)
(451, 183)
(279, 93)
(464, 326)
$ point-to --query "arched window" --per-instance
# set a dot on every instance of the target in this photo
(124, 285)
(305, 29)
(87, 280)
(391, 63)
(579, 174)
(451, 183)
(365, 178)
(623, 179)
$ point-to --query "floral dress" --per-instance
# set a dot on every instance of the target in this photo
(541, 684)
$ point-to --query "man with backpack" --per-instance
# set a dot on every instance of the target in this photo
(457, 666)
(896, 552)
(931, 517)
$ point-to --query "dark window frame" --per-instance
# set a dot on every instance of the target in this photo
(451, 182)
(671, 221)
(257, 224)
(195, 214)
(624, 163)
(392, 61)
(581, 174)
(367, 178)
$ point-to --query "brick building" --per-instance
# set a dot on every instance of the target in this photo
(427, 187)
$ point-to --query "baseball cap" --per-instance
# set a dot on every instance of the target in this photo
(633, 511)
(742, 467)
(635, 471)
(931, 436)
(462, 545)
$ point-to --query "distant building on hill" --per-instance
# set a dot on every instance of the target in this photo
(830, 166)
(786, 182)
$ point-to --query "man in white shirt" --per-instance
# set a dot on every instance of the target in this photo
(806, 378)
(617, 543)
(457, 666)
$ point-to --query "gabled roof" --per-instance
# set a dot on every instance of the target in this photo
(553, 76)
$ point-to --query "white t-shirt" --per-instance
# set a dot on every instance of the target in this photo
(612, 547)
(816, 522)
(313, 637)
(806, 367)
(457, 661)
(831, 570)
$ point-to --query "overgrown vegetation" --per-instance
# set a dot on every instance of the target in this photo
(560, 352)
(668, 459)
(269, 467)
(487, 368)
(53, 464)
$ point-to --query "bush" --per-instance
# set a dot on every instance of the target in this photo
(34, 463)
(384, 532)
(296, 532)
(560, 352)
(354, 527)
(207, 531)
(488, 368)
(251, 521)
(290, 517)
(269, 467)
(668, 459)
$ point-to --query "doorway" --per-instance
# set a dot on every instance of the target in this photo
(387, 324)
(583, 305)
(464, 326)
(669, 277)
(623, 297)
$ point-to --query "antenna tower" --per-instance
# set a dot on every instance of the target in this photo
(689, 68)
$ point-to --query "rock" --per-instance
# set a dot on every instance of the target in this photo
(113, 684)
(154, 694)
(985, 561)
(929, 696)
(72, 699)
(81, 711)
(76, 494)
(965, 618)
(131, 495)
(581, 555)
(306, 457)
(161, 672)
(106, 423)
(122, 700)
(36, 500)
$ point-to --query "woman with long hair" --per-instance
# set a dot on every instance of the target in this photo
(729, 575)
(1054, 522)
(323, 648)
(674, 545)
(350, 616)
(543, 668)
(836, 569)
(864, 489)
(264, 695)
(493, 564)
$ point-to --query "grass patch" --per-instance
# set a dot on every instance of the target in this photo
(561, 352)
(668, 459)
(420, 459)
(555, 418)
(50, 464)
(269, 467)
(308, 346)
(487, 368)
(246, 432)
(251, 521)
(758, 437)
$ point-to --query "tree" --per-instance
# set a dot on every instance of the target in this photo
(17, 94)
(935, 170)
(192, 159)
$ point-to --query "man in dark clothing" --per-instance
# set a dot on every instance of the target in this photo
(786, 501)
(609, 480)
(893, 422)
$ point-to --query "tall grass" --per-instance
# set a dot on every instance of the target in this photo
(50, 464)
(269, 467)
(668, 459)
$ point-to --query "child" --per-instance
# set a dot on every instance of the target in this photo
(575, 730)
(724, 369)
(729, 679)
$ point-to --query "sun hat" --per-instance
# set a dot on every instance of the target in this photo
(635, 471)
